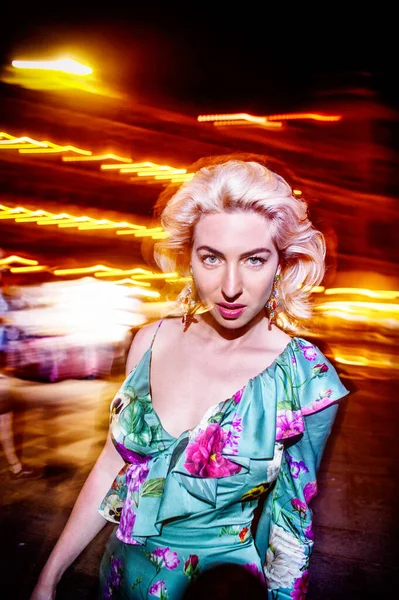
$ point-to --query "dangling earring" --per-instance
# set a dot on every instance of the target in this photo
(273, 302)
(185, 299)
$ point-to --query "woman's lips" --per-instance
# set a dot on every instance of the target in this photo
(230, 311)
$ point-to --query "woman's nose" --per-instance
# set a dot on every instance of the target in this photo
(232, 283)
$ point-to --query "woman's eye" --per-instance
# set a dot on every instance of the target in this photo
(256, 261)
(210, 259)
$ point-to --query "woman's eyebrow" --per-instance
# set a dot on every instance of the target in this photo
(244, 255)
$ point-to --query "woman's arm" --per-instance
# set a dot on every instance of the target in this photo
(83, 524)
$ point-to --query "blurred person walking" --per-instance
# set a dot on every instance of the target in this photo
(17, 470)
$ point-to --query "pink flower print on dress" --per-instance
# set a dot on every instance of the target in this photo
(191, 568)
(319, 369)
(135, 477)
(236, 424)
(299, 506)
(204, 455)
(289, 423)
(238, 395)
(296, 467)
(310, 490)
(309, 533)
(158, 589)
(308, 351)
(233, 436)
(300, 587)
(164, 557)
(319, 404)
(252, 568)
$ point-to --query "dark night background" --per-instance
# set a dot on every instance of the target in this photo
(214, 56)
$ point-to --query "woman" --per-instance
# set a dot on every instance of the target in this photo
(223, 411)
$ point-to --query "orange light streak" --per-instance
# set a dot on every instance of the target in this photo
(311, 116)
(21, 143)
(242, 118)
(97, 157)
(34, 216)
(69, 66)
(11, 213)
(57, 150)
(28, 269)
(18, 259)
(387, 294)
(82, 270)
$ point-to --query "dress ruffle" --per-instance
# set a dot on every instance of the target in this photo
(167, 479)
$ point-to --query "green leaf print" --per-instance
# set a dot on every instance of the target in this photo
(153, 487)
(133, 425)
(217, 418)
(177, 452)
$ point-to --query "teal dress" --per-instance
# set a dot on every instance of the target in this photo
(183, 505)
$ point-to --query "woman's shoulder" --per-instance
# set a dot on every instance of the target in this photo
(144, 338)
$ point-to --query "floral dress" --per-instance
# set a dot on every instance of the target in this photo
(183, 505)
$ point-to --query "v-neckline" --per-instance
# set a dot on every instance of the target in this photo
(213, 407)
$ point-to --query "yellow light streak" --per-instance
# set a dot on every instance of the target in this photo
(101, 225)
(7, 136)
(157, 276)
(242, 118)
(65, 220)
(73, 221)
(33, 217)
(21, 142)
(266, 124)
(113, 272)
(362, 361)
(63, 65)
(97, 157)
(12, 212)
(82, 270)
(353, 307)
(386, 294)
(137, 274)
(134, 282)
(28, 269)
(311, 116)
(57, 150)
(112, 167)
(18, 259)
(142, 165)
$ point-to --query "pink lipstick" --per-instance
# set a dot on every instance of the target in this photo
(231, 311)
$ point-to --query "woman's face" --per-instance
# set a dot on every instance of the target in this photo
(234, 261)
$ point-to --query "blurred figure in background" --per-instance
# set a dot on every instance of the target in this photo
(17, 469)
(180, 475)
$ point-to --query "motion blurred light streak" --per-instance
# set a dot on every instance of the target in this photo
(82, 223)
(28, 269)
(82, 270)
(69, 66)
(21, 142)
(145, 171)
(98, 157)
(265, 120)
(386, 294)
(56, 149)
(13, 258)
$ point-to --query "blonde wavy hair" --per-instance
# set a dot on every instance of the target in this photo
(228, 184)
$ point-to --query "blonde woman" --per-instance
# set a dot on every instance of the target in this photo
(225, 411)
